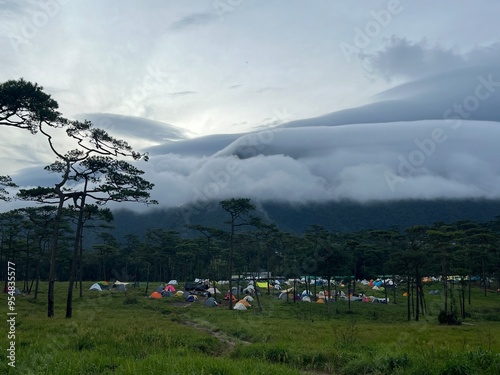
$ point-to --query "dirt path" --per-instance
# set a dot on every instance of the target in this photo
(219, 335)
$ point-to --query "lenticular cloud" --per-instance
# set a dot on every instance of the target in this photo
(361, 162)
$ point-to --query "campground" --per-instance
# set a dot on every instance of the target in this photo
(124, 332)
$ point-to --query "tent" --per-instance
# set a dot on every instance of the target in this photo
(169, 288)
(96, 287)
(244, 303)
(306, 299)
(173, 282)
(195, 286)
(17, 292)
(239, 306)
(210, 302)
(155, 295)
(159, 289)
(227, 297)
(321, 300)
(167, 294)
(262, 284)
(180, 293)
(103, 284)
(120, 287)
(283, 295)
(249, 289)
(213, 291)
(248, 299)
(191, 298)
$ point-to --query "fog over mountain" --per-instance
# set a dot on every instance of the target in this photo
(439, 147)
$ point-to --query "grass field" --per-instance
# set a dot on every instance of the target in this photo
(126, 333)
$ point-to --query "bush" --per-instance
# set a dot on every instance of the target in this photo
(448, 318)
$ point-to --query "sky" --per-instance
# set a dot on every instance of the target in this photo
(287, 100)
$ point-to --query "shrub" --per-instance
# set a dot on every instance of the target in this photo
(448, 318)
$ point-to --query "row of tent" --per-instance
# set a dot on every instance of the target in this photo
(104, 285)
(323, 297)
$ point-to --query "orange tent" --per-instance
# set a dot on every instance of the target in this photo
(155, 295)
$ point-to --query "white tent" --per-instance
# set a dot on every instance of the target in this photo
(239, 306)
(173, 282)
(213, 291)
(118, 285)
(96, 287)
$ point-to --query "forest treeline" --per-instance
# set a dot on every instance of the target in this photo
(463, 248)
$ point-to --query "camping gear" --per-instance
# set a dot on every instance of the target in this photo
(227, 297)
(96, 287)
(159, 289)
(244, 302)
(213, 291)
(173, 282)
(306, 299)
(155, 295)
(191, 298)
(180, 293)
(239, 306)
(169, 288)
(210, 302)
(262, 284)
(104, 285)
(167, 294)
(194, 286)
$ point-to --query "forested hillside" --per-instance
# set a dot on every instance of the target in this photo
(334, 216)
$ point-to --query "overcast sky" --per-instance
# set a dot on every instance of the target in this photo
(186, 79)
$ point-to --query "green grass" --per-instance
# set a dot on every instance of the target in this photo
(118, 333)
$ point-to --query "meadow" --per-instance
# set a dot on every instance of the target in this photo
(126, 333)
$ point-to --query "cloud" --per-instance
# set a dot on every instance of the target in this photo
(192, 20)
(408, 60)
(136, 129)
(200, 146)
(182, 93)
(471, 93)
(364, 162)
